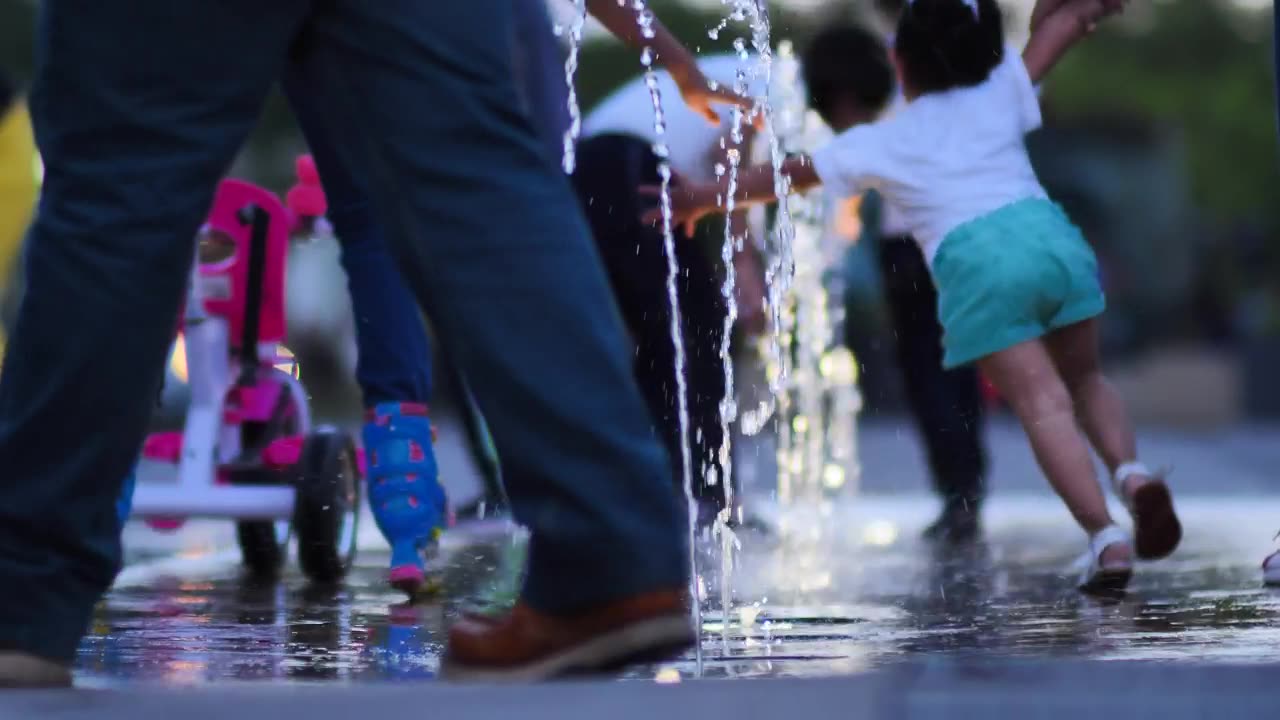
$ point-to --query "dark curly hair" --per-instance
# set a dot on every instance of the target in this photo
(846, 62)
(944, 44)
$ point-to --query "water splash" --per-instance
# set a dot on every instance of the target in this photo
(645, 19)
(737, 14)
(812, 377)
(570, 69)
(799, 315)
(728, 405)
(781, 121)
(756, 14)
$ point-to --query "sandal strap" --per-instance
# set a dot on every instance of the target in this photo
(1105, 538)
(1126, 471)
(1129, 469)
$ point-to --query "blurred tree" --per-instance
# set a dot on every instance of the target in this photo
(1202, 67)
(1199, 65)
(17, 20)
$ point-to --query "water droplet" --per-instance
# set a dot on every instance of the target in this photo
(667, 676)
(570, 68)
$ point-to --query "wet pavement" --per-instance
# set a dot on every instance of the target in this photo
(832, 590)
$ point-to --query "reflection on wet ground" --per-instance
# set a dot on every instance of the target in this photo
(833, 591)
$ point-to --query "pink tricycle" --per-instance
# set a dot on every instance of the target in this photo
(248, 449)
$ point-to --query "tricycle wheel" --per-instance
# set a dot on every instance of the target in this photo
(263, 546)
(327, 509)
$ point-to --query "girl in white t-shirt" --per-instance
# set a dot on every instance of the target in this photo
(1017, 283)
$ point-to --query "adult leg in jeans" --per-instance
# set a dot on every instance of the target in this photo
(394, 360)
(946, 404)
(136, 123)
(393, 365)
(490, 238)
(539, 74)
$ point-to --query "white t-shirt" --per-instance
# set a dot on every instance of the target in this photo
(946, 158)
(689, 137)
(892, 224)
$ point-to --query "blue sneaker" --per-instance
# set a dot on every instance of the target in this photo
(408, 502)
(124, 504)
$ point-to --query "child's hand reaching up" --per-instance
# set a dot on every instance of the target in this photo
(698, 93)
(1101, 9)
(1059, 24)
(702, 95)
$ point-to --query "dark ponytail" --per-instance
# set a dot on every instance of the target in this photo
(942, 45)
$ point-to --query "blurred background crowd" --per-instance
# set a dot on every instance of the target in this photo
(1160, 140)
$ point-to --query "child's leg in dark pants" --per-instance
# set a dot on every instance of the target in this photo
(393, 365)
(946, 404)
(394, 353)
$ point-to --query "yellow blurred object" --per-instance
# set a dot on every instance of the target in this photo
(178, 359)
(880, 532)
(848, 219)
(19, 185)
(667, 676)
(285, 362)
(833, 477)
(839, 365)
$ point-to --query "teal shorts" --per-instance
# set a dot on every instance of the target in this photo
(1010, 276)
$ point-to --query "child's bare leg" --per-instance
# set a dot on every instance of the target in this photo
(1098, 406)
(1100, 409)
(1029, 382)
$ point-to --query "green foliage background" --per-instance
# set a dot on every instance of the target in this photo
(1203, 66)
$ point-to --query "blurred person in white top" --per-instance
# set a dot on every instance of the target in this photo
(617, 155)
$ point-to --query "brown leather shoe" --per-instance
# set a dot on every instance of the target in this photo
(20, 670)
(528, 645)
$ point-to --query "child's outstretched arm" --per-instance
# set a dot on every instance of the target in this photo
(691, 202)
(622, 21)
(1056, 25)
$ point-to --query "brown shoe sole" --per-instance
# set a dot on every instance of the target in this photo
(1157, 531)
(19, 670)
(650, 640)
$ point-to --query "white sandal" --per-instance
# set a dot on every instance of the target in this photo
(1271, 570)
(1110, 579)
(1156, 529)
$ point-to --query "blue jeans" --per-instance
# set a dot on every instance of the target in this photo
(393, 352)
(137, 123)
(539, 73)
